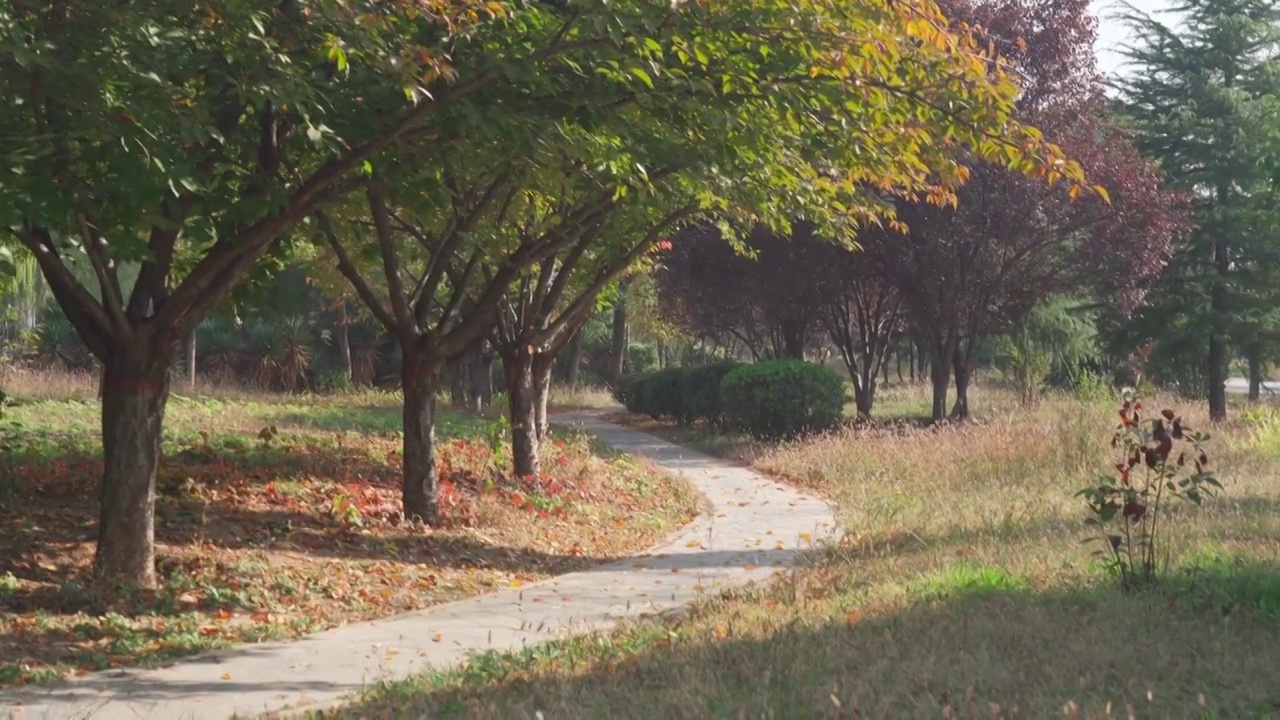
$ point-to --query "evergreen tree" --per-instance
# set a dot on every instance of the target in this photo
(1204, 100)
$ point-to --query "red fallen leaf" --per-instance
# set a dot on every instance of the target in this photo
(262, 616)
(223, 614)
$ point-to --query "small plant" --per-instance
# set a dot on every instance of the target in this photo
(1264, 429)
(1159, 460)
(265, 436)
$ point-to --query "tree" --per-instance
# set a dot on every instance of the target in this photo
(186, 139)
(1059, 336)
(720, 99)
(547, 306)
(765, 299)
(1204, 102)
(862, 314)
(968, 271)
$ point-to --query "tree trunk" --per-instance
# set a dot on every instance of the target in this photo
(793, 341)
(575, 358)
(940, 375)
(542, 367)
(420, 494)
(960, 411)
(864, 398)
(344, 342)
(134, 393)
(191, 361)
(522, 400)
(481, 388)
(458, 381)
(621, 340)
(911, 360)
(1255, 373)
(1218, 362)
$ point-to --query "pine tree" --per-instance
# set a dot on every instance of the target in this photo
(1204, 102)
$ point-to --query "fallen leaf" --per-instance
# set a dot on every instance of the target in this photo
(262, 616)
(436, 638)
(721, 631)
(226, 676)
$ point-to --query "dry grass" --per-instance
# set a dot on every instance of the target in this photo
(581, 397)
(274, 537)
(961, 590)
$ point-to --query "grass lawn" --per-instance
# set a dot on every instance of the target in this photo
(265, 535)
(962, 590)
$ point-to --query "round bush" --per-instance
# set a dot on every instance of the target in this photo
(702, 392)
(781, 399)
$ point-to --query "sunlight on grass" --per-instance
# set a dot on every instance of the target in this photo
(265, 536)
(961, 586)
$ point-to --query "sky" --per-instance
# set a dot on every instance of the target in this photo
(1112, 34)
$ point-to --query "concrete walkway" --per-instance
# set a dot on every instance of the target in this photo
(753, 528)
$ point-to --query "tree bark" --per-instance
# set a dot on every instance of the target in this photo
(575, 358)
(960, 367)
(793, 340)
(458, 371)
(1255, 373)
(344, 342)
(542, 367)
(522, 401)
(864, 399)
(135, 390)
(940, 375)
(420, 493)
(621, 340)
(191, 360)
(482, 379)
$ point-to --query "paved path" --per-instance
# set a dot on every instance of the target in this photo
(753, 528)
(1240, 386)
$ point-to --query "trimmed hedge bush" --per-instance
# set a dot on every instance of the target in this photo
(661, 394)
(701, 392)
(681, 394)
(782, 399)
(629, 392)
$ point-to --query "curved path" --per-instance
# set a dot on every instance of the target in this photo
(753, 527)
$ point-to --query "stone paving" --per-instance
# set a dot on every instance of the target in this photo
(752, 528)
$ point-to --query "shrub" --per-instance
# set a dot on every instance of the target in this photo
(701, 391)
(1158, 460)
(662, 396)
(641, 357)
(782, 399)
(630, 392)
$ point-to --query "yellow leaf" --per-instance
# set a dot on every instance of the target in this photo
(1106, 196)
(1074, 192)
(226, 676)
(721, 631)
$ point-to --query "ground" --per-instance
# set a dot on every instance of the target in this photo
(962, 589)
(278, 516)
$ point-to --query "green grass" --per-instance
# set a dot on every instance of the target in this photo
(962, 585)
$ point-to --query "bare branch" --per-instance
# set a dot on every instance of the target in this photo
(352, 274)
